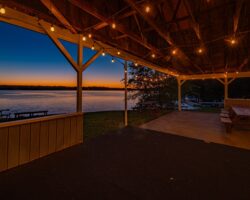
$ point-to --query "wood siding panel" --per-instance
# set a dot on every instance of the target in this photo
(24, 156)
(73, 129)
(79, 130)
(67, 132)
(60, 134)
(52, 136)
(13, 146)
(35, 141)
(3, 148)
(44, 139)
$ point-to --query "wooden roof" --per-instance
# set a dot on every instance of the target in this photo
(182, 26)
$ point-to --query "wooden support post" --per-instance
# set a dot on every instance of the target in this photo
(226, 88)
(126, 93)
(179, 93)
(79, 76)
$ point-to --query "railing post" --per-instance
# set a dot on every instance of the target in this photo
(226, 88)
(126, 93)
(79, 75)
(179, 94)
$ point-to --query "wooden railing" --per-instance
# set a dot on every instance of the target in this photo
(236, 102)
(26, 140)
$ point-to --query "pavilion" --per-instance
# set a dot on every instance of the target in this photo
(187, 39)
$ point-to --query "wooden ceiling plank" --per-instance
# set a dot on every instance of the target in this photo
(92, 11)
(53, 9)
(165, 35)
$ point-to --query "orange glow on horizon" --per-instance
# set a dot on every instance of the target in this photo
(67, 82)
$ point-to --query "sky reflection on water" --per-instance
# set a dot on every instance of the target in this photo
(61, 101)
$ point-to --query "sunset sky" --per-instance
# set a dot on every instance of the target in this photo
(29, 58)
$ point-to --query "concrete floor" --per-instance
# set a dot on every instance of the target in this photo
(202, 126)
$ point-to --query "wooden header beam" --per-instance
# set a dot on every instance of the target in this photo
(32, 23)
(215, 76)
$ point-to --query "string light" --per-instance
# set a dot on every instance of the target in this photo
(113, 60)
(84, 38)
(52, 28)
(200, 51)
(174, 52)
(118, 52)
(93, 47)
(2, 10)
(233, 41)
(147, 9)
(136, 64)
(153, 55)
(103, 53)
(113, 25)
(90, 35)
(237, 72)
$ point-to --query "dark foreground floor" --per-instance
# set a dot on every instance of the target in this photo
(134, 164)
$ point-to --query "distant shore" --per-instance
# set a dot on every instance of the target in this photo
(22, 87)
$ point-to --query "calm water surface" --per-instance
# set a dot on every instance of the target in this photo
(61, 101)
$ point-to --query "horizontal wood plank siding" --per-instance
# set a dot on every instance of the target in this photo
(23, 142)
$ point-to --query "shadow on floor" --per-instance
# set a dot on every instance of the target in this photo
(134, 164)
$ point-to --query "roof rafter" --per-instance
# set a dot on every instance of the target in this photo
(53, 9)
(165, 35)
(92, 11)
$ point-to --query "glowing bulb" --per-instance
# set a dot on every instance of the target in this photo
(237, 72)
(113, 60)
(174, 52)
(233, 41)
(147, 9)
(200, 51)
(2, 11)
(90, 35)
(52, 28)
(103, 53)
(113, 25)
(118, 52)
(84, 38)
(153, 55)
(136, 64)
(93, 47)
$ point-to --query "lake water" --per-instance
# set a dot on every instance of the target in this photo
(61, 101)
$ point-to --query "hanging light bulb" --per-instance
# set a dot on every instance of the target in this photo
(93, 47)
(233, 41)
(113, 60)
(84, 38)
(113, 25)
(52, 28)
(200, 51)
(153, 55)
(103, 53)
(147, 9)
(2, 10)
(237, 72)
(174, 52)
(136, 64)
(118, 52)
(90, 35)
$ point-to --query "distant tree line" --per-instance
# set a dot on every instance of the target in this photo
(160, 90)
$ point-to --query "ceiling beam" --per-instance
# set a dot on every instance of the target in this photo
(94, 12)
(236, 18)
(53, 9)
(215, 76)
(165, 35)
